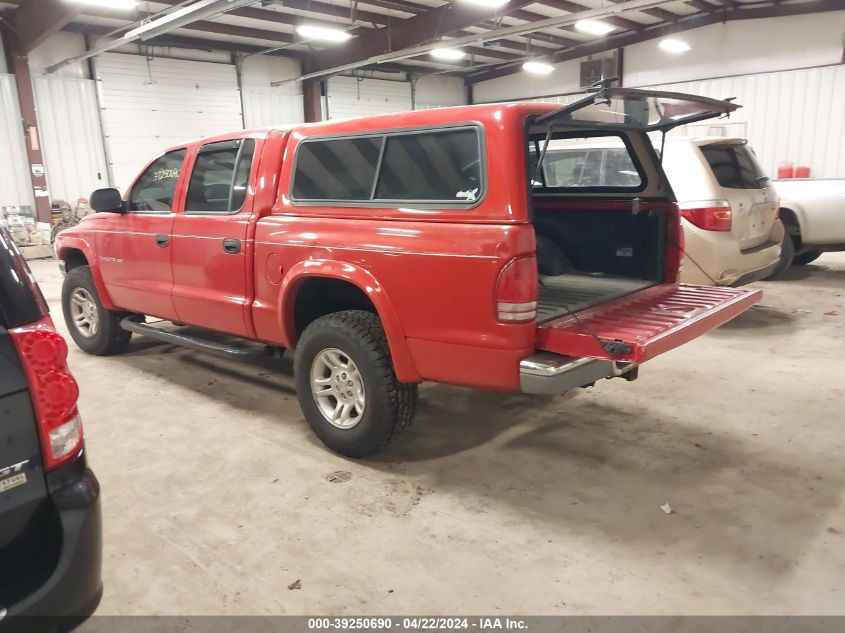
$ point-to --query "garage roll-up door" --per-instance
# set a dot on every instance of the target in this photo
(350, 97)
(151, 104)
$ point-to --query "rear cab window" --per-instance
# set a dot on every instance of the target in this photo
(734, 166)
(442, 166)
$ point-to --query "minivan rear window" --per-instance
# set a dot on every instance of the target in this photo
(734, 166)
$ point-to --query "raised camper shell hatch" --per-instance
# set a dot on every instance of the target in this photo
(637, 110)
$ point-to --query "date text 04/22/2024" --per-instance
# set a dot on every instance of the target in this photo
(418, 623)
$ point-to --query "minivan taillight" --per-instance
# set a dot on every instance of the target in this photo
(53, 390)
(710, 215)
(516, 290)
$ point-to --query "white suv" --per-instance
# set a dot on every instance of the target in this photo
(729, 209)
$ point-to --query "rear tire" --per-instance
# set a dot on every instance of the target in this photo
(348, 350)
(92, 327)
(787, 252)
(806, 257)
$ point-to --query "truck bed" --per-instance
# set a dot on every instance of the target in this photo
(572, 292)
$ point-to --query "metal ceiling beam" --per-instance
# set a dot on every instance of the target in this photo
(419, 40)
(34, 21)
(702, 5)
(685, 23)
(183, 41)
(574, 7)
(422, 28)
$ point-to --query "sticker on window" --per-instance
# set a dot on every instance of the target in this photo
(468, 195)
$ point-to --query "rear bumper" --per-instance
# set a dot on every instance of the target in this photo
(72, 592)
(548, 373)
(719, 254)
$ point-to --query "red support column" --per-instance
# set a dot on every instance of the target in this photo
(311, 100)
(32, 139)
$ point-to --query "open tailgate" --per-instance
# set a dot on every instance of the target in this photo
(644, 324)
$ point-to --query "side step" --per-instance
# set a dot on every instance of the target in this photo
(195, 343)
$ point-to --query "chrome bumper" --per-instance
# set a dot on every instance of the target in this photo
(548, 373)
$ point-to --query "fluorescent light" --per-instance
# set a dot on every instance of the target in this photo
(322, 33)
(537, 68)
(489, 4)
(674, 45)
(451, 54)
(594, 27)
(110, 4)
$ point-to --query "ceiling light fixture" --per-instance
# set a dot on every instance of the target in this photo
(322, 33)
(488, 4)
(110, 4)
(199, 10)
(450, 54)
(674, 45)
(594, 27)
(537, 68)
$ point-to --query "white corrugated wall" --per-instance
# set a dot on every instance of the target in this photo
(151, 104)
(266, 108)
(71, 138)
(794, 115)
(15, 184)
(351, 97)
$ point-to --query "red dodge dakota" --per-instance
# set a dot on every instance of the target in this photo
(433, 245)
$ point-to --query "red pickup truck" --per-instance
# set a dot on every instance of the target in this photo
(389, 250)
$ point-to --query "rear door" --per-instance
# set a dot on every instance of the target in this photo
(752, 197)
(642, 325)
(210, 245)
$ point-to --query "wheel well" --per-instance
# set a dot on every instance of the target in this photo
(73, 258)
(320, 296)
(791, 224)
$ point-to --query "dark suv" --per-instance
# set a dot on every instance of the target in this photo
(50, 526)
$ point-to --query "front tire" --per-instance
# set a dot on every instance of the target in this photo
(806, 257)
(92, 327)
(346, 385)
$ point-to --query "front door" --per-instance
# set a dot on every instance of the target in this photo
(210, 247)
(134, 247)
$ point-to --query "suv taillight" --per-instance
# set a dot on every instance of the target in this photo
(710, 215)
(53, 390)
(516, 290)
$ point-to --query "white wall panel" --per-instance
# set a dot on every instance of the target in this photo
(351, 97)
(71, 138)
(794, 116)
(265, 108)
(15, 184)
(437, 91)
(149, 105)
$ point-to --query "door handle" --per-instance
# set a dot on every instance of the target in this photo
(162, 241)
(231, 245)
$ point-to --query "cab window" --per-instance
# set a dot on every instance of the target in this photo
(220, 177)
(153, 191)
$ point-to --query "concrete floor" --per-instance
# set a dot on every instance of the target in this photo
(217, 497)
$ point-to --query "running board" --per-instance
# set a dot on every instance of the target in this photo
(193, 342)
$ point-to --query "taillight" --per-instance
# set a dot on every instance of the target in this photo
(516, 290)
(710, 215)
(53, 390)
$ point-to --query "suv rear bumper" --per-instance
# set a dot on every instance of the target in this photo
(548, 373)
(72, 592)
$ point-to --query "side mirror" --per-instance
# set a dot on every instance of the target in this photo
(108, 199)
